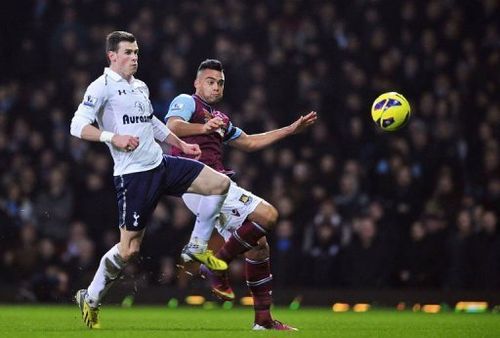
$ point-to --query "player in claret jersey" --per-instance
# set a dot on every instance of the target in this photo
(245, 218)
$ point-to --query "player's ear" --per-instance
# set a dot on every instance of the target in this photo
(111, 56)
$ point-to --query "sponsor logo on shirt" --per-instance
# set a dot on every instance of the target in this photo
(177, 106)
(90, 101)
(129, 119)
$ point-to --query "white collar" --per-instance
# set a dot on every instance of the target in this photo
(115, 76)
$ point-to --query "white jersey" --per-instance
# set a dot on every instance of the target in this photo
(123, 108)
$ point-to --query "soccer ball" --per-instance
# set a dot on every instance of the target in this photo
(390, 111)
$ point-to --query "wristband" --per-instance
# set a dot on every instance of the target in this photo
(106, 136)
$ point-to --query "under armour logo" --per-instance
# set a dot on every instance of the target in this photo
(136, 219)
(120, 92)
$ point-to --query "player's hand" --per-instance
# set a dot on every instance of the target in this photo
(191, 149)
(212, 125)
(304, 122)
(125, 142)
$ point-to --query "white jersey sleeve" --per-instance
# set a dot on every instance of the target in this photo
(93, 100)
(160, 129)
(123, 108)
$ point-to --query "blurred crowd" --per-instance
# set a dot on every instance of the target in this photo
(358, 208)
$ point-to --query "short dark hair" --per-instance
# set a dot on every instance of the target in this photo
(211, 64)
(114, 38)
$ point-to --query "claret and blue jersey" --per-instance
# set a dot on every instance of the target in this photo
(193, 109)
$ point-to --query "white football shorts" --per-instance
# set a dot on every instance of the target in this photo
(238, 204)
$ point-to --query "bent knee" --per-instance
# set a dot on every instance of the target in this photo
(222, 187)
(270, 217)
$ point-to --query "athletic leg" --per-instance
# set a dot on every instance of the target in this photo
(212, 188)
(259, 281)
(257, 224)
(110, 267)
(112, 264)
(137, 196)
(218, 281)
(233, 225)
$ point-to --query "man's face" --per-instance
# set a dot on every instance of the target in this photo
(209, 85)
(125, 60)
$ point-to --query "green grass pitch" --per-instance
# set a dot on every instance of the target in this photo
(150, 321)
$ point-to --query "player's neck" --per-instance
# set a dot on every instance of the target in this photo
(127, 77)
(202, 99)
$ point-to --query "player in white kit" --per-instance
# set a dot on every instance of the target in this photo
(120, 104)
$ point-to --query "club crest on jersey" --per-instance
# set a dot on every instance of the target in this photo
(206, 115)
(128, 119)
(245, 199)
(140, 106)
(90, 101)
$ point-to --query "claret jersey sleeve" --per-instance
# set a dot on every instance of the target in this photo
(232, 133)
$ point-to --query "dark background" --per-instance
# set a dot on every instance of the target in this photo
(359, 209)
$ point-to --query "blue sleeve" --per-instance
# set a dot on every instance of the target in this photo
(182, 106)
(232, 133)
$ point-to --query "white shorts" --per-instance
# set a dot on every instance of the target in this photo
(238, 204)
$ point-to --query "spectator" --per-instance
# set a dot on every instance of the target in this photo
(486, 253)
(460, 252)
(54, 207)
(364, 259)
(444, 163)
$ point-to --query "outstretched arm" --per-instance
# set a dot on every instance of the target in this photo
(258, 141)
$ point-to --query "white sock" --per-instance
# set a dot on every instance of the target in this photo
(206, 215)
(109, 270)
